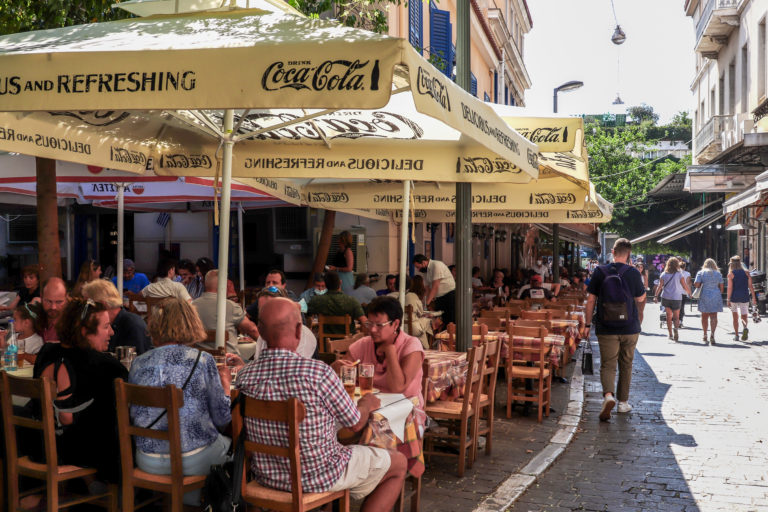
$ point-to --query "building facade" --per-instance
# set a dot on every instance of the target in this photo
(729, 106)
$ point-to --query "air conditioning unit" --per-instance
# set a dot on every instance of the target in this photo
(359, 248)
(291, 228)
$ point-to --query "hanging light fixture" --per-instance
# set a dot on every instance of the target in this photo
(618, 100)
(618, 36)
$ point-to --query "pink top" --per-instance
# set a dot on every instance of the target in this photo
(365, 350)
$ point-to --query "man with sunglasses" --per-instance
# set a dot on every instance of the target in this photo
(132, 281)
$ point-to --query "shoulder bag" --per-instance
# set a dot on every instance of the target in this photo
(222, 489)
(197, 360)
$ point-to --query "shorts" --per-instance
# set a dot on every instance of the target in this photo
(366, 468)
(740, 307)
(674, 305)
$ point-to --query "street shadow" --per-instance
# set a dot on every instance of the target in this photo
(626, 462)
(658, 354)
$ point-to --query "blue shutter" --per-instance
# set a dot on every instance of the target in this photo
(440, 38)
(416, 25)
(495, 86)
(473, 85)
(486, 97)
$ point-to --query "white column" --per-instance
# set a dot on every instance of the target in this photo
(226, 193)
(241, 252)
(120, 235)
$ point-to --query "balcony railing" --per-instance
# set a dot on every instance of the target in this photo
(722, 132)
(706, 13)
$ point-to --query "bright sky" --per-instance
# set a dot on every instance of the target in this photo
(571, 40)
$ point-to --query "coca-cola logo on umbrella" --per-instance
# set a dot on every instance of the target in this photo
(94, 169)
(331, 75)
(137, 189)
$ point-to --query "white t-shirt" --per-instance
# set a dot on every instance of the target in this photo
(306, 348)
(542, 270)
(33, 344)
(686, 278)
(476, 282)
(439, 270)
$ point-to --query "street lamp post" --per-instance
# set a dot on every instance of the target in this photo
(567, 86)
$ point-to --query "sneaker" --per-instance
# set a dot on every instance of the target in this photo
(624, 407)
(704, 338)
(608, 403)
(712, 339)
(744, 334)
(736, 337)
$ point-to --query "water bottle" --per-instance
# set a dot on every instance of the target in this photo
(11, 349)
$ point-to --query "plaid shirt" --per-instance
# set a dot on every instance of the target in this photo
(280, 374)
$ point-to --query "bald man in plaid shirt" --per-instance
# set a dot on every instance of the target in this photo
(372, 474)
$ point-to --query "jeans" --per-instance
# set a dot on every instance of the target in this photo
(197, 464)
(615, 347)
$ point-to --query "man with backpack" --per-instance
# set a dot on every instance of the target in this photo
(617, 289)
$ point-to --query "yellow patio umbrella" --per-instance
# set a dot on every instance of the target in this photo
(159, 94)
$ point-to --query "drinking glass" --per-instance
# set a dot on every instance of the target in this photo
(348, 378)
(366, 379)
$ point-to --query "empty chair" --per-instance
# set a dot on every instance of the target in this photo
(537, 369)
(322, 331)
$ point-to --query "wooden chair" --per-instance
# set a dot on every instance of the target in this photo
(554, 313)
(487, 402)
(537, 371)
(535, 315)
(341, 347)
(50, 472)
(480, 330)
(459, 415)
(493, 323)
(415, 491)
(153, 302)
(408, 319)
(324, 321)
(292, 412)
(176, 484)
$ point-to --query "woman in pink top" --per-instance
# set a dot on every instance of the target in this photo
(396, 355)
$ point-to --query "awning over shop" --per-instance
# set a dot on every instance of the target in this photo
(722, 178)
(693, 227)
(739, 201)
(679, 221)
(582, 234)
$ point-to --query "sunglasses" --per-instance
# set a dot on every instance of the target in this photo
(31, 313)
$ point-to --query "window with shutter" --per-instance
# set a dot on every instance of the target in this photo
(440, 39)
(416, 25)
(473, 85)
(495, 86)
(486, 97)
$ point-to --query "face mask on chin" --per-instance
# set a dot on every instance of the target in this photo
(423, 270)
(538, 262)
(321, 292)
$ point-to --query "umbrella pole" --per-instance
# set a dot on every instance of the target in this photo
(226, 193)
(404, 239)
(240, 256)
(120, 235)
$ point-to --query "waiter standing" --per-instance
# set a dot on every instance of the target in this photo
(441, 287)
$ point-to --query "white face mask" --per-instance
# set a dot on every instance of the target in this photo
(321, 292)
(538, 262)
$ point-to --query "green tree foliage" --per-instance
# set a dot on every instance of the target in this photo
(26, 15)
(625, 180)
(643, 114)
(365, 14)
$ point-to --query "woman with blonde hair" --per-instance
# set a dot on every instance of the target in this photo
(344, 262)
(739, 292)
(710, 281)
(174, 328)
(670, 289)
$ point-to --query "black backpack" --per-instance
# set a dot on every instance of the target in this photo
(616, 303)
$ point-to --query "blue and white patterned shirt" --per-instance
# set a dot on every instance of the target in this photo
(206, 407)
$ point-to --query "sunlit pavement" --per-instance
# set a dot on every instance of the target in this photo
(697, 438)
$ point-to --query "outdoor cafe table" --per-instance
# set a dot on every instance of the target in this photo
(445, 374)
(554, 355)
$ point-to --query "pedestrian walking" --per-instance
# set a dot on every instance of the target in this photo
(640, 266)
(617, 290)
(740, 291)
(686, 298)
(710, 281)
(670, 290)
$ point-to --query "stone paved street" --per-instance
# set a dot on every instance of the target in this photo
(697, 438)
